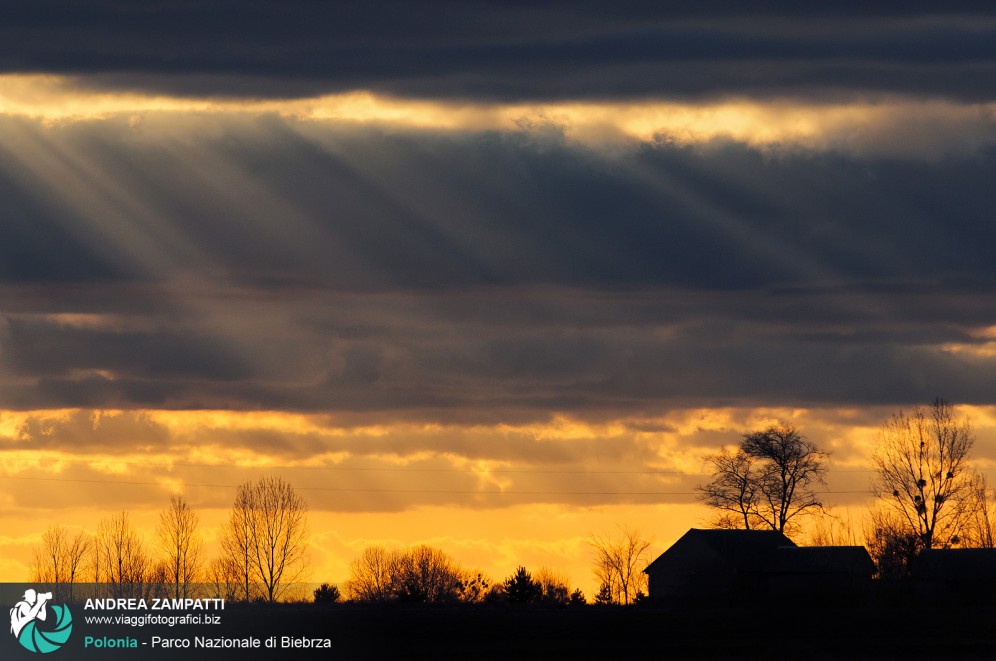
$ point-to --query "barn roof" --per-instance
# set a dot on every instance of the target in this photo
(742, 549)
(955, 564)
(820, 560)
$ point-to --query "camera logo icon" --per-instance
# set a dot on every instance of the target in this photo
(34, 629)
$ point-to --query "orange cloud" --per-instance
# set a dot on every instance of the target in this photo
(464, 489)
(896, 125)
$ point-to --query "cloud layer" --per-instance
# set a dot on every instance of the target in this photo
(55, 459)
(487, 275)
(258, 262)
(510, 52)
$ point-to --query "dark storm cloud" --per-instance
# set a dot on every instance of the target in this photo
(508, 51)
(33, 246)
(272, 207)
(47, 349)
(271, 264)
(266, 205)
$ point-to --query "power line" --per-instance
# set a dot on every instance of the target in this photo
(386, 469)
(419, 491)
(364, 490)
(410, 469)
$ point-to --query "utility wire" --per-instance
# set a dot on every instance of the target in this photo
(407, 469)
(423, 491)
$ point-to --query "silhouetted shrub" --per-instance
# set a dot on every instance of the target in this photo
(327, 594)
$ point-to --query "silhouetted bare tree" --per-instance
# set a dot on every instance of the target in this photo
(423, 574)
(979, 528)
(892, 545)
(279, 528)
(619, 564)
(555, 587)
(265, 539)
(236, 566)
(767, 482)
(922, 472)
(61, 557)
(181, 546)
(831, 529)
(474, 586)
(224, 579)
(419, 574)
(733, 489)
(370, 576)
(120, 557)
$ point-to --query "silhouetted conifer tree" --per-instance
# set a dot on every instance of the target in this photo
(520, 588)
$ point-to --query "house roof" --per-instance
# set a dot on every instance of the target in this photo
(742, 549)
(820, 560)
(955, 564)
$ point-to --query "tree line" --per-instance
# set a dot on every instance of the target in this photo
(927, 494)
(424, 574)
(263, 546)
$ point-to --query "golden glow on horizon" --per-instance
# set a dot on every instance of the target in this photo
(185, 421)
(859, 124)
(480, 530)
(186, 430)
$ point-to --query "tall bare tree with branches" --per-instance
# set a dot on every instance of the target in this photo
(120, 556)
(266, 537)
(922, 472)
(370, 575)
(619, 564)
(425, 574)
(767, 482)
(181, 546)
(733, 490)
(979, 528)
(416, 574)
(236, 564)
(61, 558)
(223, 580)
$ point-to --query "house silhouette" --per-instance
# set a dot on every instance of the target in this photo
(716, 568)
(959, 576)
(823, 575)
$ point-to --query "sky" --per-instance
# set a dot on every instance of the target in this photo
(493, 277)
